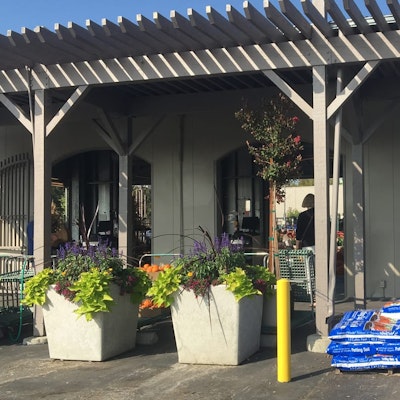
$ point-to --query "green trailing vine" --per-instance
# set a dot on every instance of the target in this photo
(92, 293)
(165, 286)
(36, 287)
(240, 284)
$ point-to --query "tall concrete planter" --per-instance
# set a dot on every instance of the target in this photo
(216, 329)
(268, 324)
(107, 335)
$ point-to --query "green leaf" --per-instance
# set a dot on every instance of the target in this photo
(163, 288)
(36, 287)
(239, 284)
(92, 293)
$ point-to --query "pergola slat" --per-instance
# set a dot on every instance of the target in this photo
(377, 15)
(114, 31)
(64, 35)
(166, 26)
(315, 16)
(110, 43)
(338, 17)
(148, 26)
(8, 54)
(21, 47)
(281, 22)
(46, 36)
(394, 8)
(203, 25)
(263, 24)
(226, 27)
(351, 8)
(132, 30)
(80, 33)
(237, 19)
(184, 25)
(294, 15)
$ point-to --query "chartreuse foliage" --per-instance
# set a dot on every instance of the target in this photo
(36, 287)
(165, 286)
(92, 293)
(240, 284)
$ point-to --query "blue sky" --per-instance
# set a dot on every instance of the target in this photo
(15, 14)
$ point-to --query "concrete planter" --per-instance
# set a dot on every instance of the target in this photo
(269, 310)
(268, 335)
(73, 338)
(218, 329)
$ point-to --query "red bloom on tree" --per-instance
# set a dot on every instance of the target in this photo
(276, 150)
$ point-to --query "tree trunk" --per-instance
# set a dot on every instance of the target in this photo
(273, 262)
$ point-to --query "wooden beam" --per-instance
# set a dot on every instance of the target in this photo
(358, 222)
(42, 196)
(141, 136)
(262, 23)
(109, 133)
(377, 15)
(240, 22)
(334, 203)
(181, 23)
(394, 8)
(341, 21)
(321, 183)
(351, 8)
(294, 15)
(290, 92)
(125, 207)
(203, 25)
(216, 19)
(316, 17)
(66, 108)
(17, 112)
(352, 86)
(281, 22)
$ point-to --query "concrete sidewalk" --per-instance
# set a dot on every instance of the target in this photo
(153, 372)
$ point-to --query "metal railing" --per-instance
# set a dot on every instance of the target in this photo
(15, 269)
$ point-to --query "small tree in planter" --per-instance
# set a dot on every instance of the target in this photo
(276, 150)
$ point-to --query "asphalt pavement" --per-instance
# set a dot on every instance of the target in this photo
(152, 371)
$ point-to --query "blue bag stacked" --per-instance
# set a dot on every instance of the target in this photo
(367, 339)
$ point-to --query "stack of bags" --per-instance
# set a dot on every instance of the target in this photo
(367, 339)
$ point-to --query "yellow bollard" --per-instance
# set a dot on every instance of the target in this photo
(283, 330)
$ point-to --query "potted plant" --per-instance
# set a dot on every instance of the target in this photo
(90, 302)
(216, 302)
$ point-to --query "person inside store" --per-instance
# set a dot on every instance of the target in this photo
(305, 234)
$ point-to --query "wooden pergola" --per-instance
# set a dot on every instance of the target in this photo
(318, 48)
